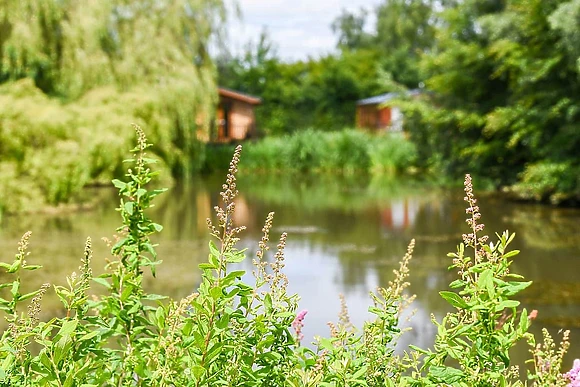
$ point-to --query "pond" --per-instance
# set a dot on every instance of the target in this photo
(345, 236)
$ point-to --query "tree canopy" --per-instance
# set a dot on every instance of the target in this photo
(75, 74)
(505, 85)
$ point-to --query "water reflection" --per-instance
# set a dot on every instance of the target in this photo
(345, 236)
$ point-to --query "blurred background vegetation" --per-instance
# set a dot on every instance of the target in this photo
(74, 75)
(500, 81)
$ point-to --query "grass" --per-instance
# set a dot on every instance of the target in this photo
(310, 151)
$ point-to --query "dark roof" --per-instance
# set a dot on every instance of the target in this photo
(223, 92)
(378, 99)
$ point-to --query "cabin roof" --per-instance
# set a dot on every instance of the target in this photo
(228, 93)
(382, 98)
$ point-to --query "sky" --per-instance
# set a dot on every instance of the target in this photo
(299, 28)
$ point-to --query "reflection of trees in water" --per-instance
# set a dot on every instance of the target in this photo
(322, 192)
(558, 303)
(547, 228)
(365, 245)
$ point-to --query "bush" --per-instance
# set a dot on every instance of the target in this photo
(548, 181)
(237, 334)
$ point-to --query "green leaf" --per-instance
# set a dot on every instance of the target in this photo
(515, 287)
(206, 265)
(506, 304)
(102, 281)
(235, 257)
(223, 322)
(446, 375)
(15, 289)
(90, 335)
(154, 297)
(68, 327)
(32, 267)
(198, 371)
(359, 373)
(268, 302)
(454, 299)
(216, 293)
(15, 266)
(420, 350)
(457, 284)
(214, 351)
(119, 184)
(524, 324)
(160, 317)
(140, 192)
(232, 276)
(511, 254)
(129, 207)
(213, 249)
(28, 295)
(485, 281)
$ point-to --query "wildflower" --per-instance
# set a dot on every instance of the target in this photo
(574, 374)
(298, 324)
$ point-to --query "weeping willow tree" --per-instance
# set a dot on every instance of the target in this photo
(67, 67)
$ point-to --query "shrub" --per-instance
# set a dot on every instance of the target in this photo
(548, 181)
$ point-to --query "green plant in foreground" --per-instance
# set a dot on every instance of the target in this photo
(232, 333)
(473, 343)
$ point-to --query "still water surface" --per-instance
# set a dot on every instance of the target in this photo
(345, 236)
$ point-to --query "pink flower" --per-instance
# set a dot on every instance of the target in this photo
(574, 374)
(298, 324)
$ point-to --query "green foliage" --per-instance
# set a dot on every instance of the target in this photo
(504, 94)
(322, 92)
(298, 95)
(392, 154)
(348, 151)
(546, 181)
(350, 28)
(70, 48)
(50, 155)
(232, 333)
(405, 30)
(501, 81)
(73, 74)
(485, 325)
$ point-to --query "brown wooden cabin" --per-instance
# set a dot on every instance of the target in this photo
(373, 113)
(235, 115)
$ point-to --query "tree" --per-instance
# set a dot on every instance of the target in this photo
(75, 74)
(405, 30)
(504, 82)
(349, 27)
(72, 47)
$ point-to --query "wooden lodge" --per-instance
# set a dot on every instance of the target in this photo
(235, 116)
(375, 113)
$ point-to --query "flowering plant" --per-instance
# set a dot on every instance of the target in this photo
(236, 334)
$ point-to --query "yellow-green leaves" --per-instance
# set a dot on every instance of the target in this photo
(453, 299)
